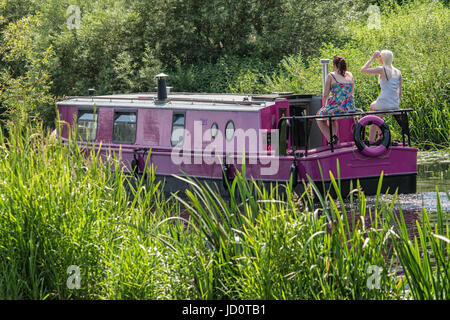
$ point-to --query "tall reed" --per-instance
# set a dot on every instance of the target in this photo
(62, 205)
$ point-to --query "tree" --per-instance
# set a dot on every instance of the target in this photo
(24, 81)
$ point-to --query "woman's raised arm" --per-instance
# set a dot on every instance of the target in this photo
(366, 68)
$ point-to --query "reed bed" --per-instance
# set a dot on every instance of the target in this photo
(62, 206)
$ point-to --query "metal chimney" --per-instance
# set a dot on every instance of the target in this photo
(325, 63)
(162, 88)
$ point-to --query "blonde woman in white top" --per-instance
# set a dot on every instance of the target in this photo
(390, 80)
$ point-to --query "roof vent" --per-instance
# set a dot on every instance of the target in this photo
(162, 88)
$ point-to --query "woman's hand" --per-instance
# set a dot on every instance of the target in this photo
(366, 68)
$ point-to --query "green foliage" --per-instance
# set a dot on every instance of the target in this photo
(239, 75)
(12, 10)
(426, 259)
(201, 32)
(60, 205)
(25, 84)
(111, 49)
(101, 54)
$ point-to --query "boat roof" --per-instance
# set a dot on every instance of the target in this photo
(188, 101)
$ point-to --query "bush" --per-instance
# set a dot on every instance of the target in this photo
(25, 83)
(229, 74)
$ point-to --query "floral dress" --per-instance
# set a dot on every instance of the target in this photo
(340, 102)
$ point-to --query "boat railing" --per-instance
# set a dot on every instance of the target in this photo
(400, 115)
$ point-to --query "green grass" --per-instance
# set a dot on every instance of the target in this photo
(59, 207)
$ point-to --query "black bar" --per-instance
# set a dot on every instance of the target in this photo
(182, 309)
(407, 129)
(331, 134)
(292, 137)
(403, 129)
(306, 137)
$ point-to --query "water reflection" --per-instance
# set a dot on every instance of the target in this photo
(430, 175)
(415, 202)
(433, 169)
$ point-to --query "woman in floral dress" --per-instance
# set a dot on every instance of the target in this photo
(341, 84)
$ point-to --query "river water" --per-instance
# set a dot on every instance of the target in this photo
(433, 170)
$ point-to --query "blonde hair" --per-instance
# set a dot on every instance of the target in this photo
(387, 56)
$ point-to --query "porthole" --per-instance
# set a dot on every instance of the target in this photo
(214, 130)
(229, 130)
(178, 123)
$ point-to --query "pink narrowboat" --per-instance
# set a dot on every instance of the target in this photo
(209, 136)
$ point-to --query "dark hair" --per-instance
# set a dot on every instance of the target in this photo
(340, 64)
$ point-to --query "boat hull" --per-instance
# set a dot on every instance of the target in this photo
(348, 165)
(402, 183)
(345, 164)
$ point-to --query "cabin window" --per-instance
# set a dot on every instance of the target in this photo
(124, 130)
(229, 130)
(178, 122)
(214, 130)
(87, 125)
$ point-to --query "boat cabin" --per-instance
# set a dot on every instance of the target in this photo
(141, 120)
(209, 136)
